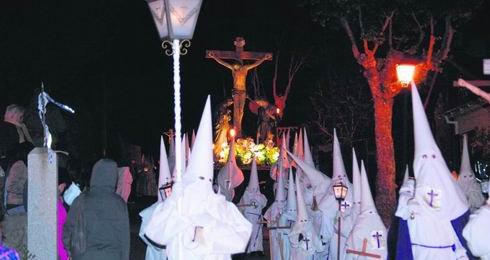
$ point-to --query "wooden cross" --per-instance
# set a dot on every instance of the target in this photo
(363, 252)
(239, 73)
(238, 54)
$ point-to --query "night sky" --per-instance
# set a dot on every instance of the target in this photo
(104, 59)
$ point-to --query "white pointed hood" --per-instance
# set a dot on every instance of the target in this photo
(406, 176)
(295, 150)
(164, 177)
(171, 154)
(339, 172)
(279, 205)
(319, 181)
(288, 138)
(467, 179)
(280, 190)
(302, 219)
(284, 161)
(253, 183)
(436, 191)
(292, 207)
(368, 224)
(367, 202)
(356, 179)
(193, 138)
(308, 158)
(231, 173)
(200, 166)
(187, 149)
(301, 151)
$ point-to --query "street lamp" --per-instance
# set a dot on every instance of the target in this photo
(340, 192)
(405, 73)
(176, 20)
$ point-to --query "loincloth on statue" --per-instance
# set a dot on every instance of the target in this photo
(239, 93)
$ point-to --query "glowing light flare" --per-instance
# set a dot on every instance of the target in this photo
(278, 111)
(405, 73)
(232, 133)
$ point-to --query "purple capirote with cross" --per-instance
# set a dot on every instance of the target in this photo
(377, 235)
(432, 194)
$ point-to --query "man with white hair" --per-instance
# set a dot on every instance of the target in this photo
(14, 114)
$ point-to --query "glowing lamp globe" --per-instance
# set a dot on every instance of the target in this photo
(340, 191)
(405, 73)
(175, 19)
(232, 133)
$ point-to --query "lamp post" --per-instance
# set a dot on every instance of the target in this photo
(340, 192)
(175, 21)
(405, 74)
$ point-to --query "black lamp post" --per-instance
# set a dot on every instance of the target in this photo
(340, 192)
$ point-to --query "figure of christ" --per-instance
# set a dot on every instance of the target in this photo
(239, 72)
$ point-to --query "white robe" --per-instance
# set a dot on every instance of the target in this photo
(152, 252)
(328, 232)
(224, 231)
(477, 233)
(305, 242)
(124, 182)
(278, 237)
(368, 227)
(254, 215)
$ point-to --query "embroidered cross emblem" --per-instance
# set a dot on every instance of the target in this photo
(377, 235)
(303, 238)
(432, 194)
(344, 205)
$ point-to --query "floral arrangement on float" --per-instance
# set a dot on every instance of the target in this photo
(245, 150)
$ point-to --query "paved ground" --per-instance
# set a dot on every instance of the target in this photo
(138, 248)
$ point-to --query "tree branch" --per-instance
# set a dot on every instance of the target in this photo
(390, 35)
(383, 29)
(294, 67)
(274, 79)
(415, 48)
(447, 40)
(432, 41)
(361, 24)
(348, 30)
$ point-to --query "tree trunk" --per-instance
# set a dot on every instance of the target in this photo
(386, 187)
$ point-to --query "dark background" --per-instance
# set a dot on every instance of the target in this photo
(104, 59)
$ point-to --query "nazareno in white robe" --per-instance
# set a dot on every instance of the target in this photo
(153, 252)
(194, 222)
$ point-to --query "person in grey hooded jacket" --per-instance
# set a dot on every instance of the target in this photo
(104, 218)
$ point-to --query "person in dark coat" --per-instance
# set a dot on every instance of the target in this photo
(104, 217)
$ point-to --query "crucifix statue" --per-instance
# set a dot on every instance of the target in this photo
(239, 71)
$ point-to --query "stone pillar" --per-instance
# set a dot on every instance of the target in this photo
(42, 184)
